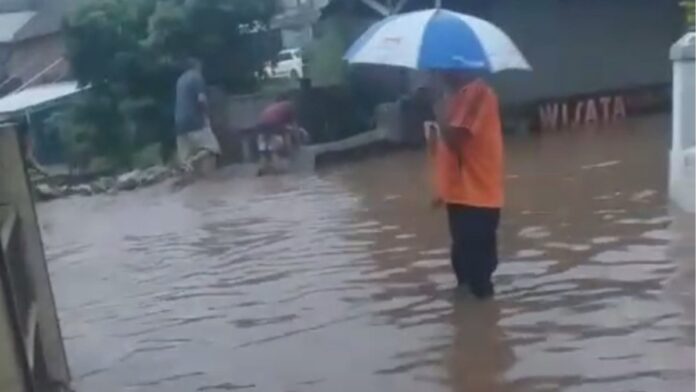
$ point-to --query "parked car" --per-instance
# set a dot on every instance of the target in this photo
(289, 64)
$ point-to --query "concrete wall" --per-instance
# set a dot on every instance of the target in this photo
(578, 47)
(682, 156)
(295, 19)
(11, 373)
(14, 190)
(242, 111)
(297, 37)
(232, 114)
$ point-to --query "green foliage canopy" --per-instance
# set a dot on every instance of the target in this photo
(129, 51)
(690, 10)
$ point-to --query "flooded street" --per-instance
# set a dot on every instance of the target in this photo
(340, 281)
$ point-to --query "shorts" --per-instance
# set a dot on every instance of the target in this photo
(190, 144)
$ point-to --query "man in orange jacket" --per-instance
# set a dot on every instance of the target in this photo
(466, 147)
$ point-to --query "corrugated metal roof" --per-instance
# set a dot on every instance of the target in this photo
(12, 22)
(35, 96)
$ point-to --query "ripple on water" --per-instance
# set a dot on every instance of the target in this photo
(342, 282)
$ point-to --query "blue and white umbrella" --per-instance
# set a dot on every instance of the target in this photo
(437, 39)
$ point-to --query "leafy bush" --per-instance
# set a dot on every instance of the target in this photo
(75, 138)
(92, 127)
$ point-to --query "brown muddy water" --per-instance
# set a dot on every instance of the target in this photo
(339, 281)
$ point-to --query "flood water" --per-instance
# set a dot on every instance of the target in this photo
(339, 280)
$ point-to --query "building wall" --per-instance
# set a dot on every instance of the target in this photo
(584, 46)
(15, 5)
(683, 151)
(296, 37)
(295, 19)
(30, 57)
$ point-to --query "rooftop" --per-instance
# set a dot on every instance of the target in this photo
(12, 22)
(43, 18)
(33, 97)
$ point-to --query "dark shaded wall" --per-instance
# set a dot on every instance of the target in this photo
(16, 5)
(583, 46)
(577, 46)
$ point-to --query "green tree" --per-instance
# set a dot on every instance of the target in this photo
(690, 10)
(128, 51)
(91, 127)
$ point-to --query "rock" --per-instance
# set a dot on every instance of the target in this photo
(36, 176)
(128, 181)
(154, 174)
(83, 189)
(111, 185)
(47, 192)
(103, 184)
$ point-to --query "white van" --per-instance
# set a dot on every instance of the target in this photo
(288, 65)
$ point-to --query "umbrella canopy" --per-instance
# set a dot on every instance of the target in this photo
(437, 39)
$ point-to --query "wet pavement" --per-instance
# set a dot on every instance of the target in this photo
(339, 281)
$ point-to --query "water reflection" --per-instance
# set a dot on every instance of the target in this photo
(340, 281)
